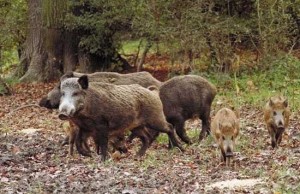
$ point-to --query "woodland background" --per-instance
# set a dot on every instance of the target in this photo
(250, 49)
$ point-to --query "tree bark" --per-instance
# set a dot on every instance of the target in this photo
(142, 60)
(43, 54)
(70, 57)
(33, 56)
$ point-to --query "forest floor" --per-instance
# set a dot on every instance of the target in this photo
(32, 159)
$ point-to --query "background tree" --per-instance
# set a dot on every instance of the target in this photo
(42, 56)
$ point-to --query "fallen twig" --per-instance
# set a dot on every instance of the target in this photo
(21, 107)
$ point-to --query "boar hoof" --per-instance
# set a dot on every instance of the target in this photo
(88, 154)
(65, 141)
(274, 144)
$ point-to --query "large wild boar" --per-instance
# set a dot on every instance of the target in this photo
(109, 110)
(145, 79)
(52, 99)
(185, 97)
(225, 129)
(276, 116)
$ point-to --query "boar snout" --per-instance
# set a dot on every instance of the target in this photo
(280, 124)
(66, 112)
(63, 116)
(229, 154)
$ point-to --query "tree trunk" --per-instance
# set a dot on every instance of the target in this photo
(42, 56)
(142, 60)
(70, 57)
(33, 56)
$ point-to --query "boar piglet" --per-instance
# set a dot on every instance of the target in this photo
(107, 110)
(225, 129)
(276, 116)
(185, 97)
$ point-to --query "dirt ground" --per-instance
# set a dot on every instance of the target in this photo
(33, 161)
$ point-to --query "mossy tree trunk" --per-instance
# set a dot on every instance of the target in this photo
(42, 58)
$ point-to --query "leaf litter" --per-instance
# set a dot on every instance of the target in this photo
(32, 159)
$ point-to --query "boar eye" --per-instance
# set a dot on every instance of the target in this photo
(75, 94)
(274, 113)
(223, 137)
(283, 113)
(232, 138)
(62, 94)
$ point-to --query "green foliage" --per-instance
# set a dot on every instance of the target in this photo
(12, 29)
(280, 77)
(99, 23)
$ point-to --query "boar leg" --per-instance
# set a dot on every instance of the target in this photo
(101, 140)
(80, 137)
(273, 140)
(279, 136)
(228, 161)
(179, 127)
(145, 145)
(205, 125)
(170, 131)
(71, 143)
(223, 156)
(66, 141)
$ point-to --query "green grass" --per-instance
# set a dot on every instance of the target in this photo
(280, 78)
(130, 47)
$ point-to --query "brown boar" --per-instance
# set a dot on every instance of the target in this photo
(146, 135)
(109, 110)
(225, 129)
(145, 79)
(185, 97)
(276, 116)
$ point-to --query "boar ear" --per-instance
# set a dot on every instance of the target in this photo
(84, 82)
(285, 103)
(69, 74)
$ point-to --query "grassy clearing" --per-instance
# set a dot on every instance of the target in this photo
(254, 88)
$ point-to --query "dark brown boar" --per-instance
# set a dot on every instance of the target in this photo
(185, 97)
(110, 110)
(145, 79)
(51, 101)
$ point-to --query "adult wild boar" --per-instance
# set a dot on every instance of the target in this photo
(185, 97)
(145, 79)
(51, 101)
(109, 110)
(225, 128)
(276, 116)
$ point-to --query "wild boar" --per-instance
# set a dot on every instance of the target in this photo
(110, 110)
(145, 79)
(185, 97)
(51, 101)
(276, 116)
(225, 128)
